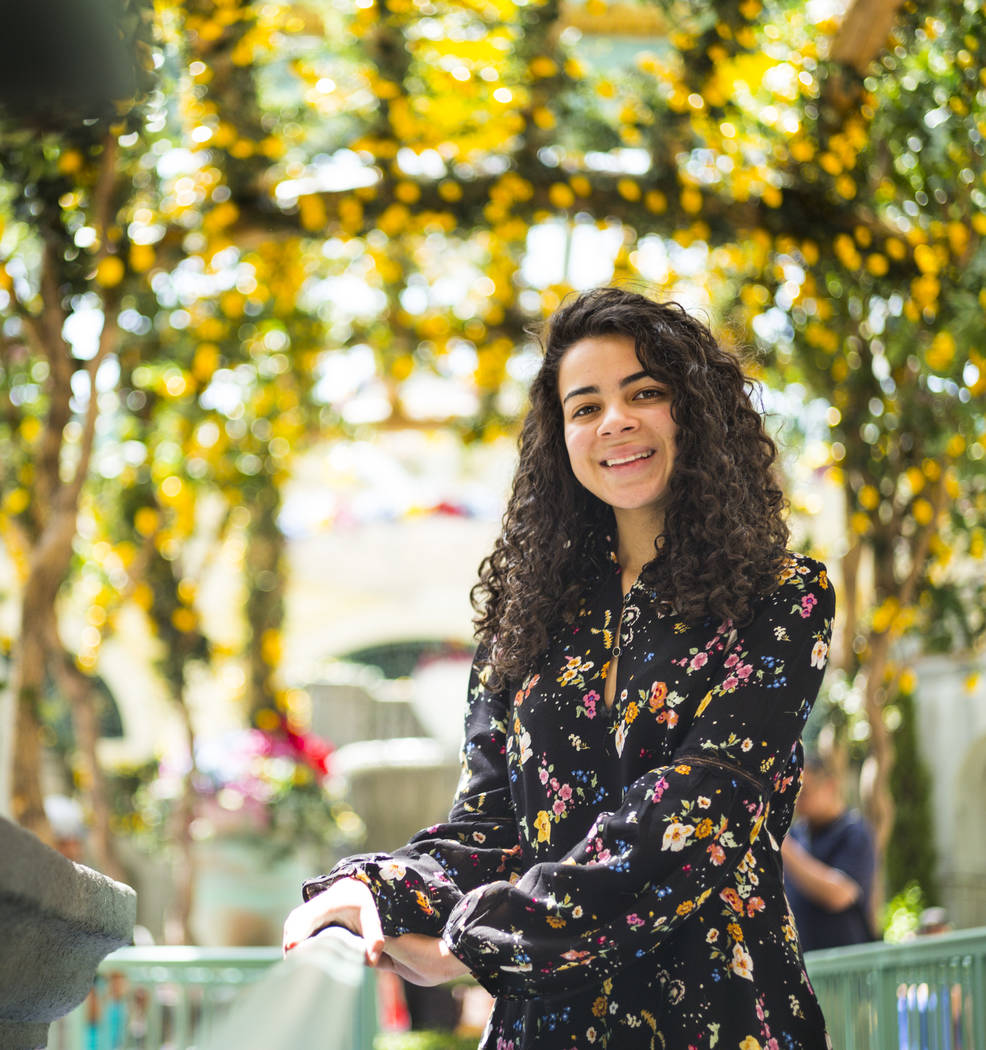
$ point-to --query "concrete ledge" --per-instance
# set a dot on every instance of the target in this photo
(59, 920)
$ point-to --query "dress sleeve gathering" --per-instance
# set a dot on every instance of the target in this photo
(416, 887)
(682, 829)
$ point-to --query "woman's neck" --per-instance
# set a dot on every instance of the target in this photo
(636, 535)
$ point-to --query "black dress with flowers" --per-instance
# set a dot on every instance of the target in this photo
(613, 877)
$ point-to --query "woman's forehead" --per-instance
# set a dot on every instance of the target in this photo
(610, 353)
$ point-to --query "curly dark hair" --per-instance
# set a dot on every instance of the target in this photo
(725, 536)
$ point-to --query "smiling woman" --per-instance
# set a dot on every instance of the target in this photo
(649, 652)
(620, 436)
(722, 535)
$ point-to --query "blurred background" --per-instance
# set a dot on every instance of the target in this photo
(269, 274)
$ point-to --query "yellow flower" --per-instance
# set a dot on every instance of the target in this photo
(926, 259)
(869, 497)
(941, 352)
(691, 200)
(561, 195)
(599, 1007)
(860, 523)
(110, 271)
(956, 446)
(186, 621)
(70, 162)
(146, 521)
(141, 257)
(543, 66)
(543, 117)
(543, 824)
(267, 719)
(923, 511)
(883, 616)
(656, 202)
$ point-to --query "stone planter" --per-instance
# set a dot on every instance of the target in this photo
(59, 920)
(397, 786)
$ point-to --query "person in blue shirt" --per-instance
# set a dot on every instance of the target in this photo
(829, 864)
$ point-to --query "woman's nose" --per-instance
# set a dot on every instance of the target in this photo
(616, 419)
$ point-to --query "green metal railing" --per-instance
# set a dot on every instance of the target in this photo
(925, 994)
(178, 998)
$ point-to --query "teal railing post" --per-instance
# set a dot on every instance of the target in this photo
(887, 1011)
(979, 996)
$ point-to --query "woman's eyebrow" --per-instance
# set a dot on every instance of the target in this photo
(626, 381)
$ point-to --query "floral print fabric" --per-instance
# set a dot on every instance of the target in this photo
(613, 877)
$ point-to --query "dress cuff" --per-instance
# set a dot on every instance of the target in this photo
(405, 900)
(501, 975)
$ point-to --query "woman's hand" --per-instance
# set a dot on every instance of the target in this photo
(348, 903)
(420, 959)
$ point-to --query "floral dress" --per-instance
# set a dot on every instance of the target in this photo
(613, 876)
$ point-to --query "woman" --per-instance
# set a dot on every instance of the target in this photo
(648, 655)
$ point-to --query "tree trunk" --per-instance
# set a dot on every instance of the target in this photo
(55, 506)
(27, 803)
(879, 805)
(850, 602)
(265, 597)
(185, 868)
(78, 690)
(49, 563)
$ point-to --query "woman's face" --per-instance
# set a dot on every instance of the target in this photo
(619, 432)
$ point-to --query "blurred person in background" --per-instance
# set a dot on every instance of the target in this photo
(649, 651)
(829, 863)
(68, 826)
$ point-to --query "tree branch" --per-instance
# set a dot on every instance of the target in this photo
(863, 33)
(102, 197)
(108, 338)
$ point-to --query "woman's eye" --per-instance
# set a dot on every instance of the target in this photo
(583, 410)
(651, 392)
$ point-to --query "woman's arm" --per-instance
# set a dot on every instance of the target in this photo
(415, 887)
(682, 830)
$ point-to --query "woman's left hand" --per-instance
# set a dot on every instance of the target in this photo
(420, 959)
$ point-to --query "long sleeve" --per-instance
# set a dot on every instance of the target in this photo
(683, 828)
(416, 887)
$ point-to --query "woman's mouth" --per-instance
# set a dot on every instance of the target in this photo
(619, 461)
